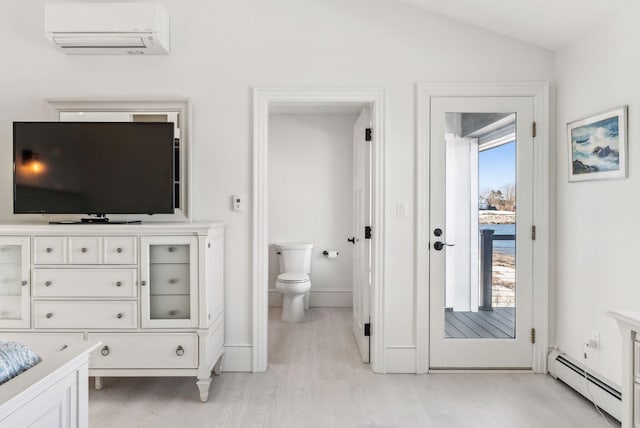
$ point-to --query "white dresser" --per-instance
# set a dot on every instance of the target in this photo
(629, 322)
(153, 294)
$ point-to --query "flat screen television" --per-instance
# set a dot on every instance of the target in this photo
(93, 168)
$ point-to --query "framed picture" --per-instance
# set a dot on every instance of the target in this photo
(598, 146)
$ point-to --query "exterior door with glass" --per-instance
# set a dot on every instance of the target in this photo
(480, 232)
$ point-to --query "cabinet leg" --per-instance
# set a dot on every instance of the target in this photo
(98, 382)
(203, 386)
(217, 369)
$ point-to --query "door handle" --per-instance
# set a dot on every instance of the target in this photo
(352, 240)
(440, 245)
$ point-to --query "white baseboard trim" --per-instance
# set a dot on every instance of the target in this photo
(335, 298)
(401, 359)
(237, 358)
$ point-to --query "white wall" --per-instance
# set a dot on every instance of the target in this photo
(220, 49)
(310, 199)
(597, 231)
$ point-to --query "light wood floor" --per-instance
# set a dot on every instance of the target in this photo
(316, 379)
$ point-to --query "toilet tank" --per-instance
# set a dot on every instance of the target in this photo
(295, 257)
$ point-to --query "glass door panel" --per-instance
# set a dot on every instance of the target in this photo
(169, 279)
(480, 204)
(14, 282)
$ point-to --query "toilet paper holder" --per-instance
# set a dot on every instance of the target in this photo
(326, 253)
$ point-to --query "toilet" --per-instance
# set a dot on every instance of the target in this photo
(293, 281)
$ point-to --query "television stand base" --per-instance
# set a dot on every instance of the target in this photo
(101, 220)
(94, 220)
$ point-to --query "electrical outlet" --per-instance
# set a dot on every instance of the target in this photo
(594, 341)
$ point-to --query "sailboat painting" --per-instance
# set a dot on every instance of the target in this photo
(598, 146)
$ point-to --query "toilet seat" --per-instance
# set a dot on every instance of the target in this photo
(293, 278)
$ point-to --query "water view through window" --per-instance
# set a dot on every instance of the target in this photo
(480, 266)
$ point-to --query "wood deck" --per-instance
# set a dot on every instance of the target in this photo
(498, 323)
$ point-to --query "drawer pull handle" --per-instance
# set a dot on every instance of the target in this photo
(172, 249)
(64, 347)
(84, 249)
(120, 315)
(49, 315)
(105, 351)
(173, 281)
(24, 283)
(119, 250)
(48, 250)
(47, 284)
(179, 351)
(143, 282)
(173, 312)
(119, 284)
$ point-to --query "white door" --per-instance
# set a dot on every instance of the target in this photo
(361, 219)
(481, 158)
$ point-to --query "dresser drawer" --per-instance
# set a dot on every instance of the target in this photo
(45, 344)
(170, 307)
(84, 250)
(89, 314)
(169, 253)
(80, 282)
(10, 254)
(169, 278)
(49, 250)
(10, 279)
(120, 250)
(11, 307)
(145, 350)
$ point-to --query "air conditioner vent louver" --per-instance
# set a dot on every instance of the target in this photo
(98, 41)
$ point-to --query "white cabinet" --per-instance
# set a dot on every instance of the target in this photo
(14, 282)
(153, 294)
(169, 279)
(629, 323)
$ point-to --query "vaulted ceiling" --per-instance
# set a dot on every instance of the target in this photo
(551, 24)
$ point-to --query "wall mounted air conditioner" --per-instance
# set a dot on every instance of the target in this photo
(108, 28)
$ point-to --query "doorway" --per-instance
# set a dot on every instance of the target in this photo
(267, 101)
(482, 186)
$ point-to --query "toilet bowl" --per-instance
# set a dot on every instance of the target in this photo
(293, 287)
(294, 282)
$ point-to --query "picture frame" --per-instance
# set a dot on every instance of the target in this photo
(598, 146)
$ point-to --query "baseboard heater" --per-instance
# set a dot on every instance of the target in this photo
(605, 393)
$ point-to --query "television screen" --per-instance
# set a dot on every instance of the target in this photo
(93, 167)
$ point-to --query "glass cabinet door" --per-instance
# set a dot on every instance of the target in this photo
(168, 282)
(14, 282)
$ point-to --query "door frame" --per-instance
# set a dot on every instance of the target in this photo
(541, 207)
(263, 99)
